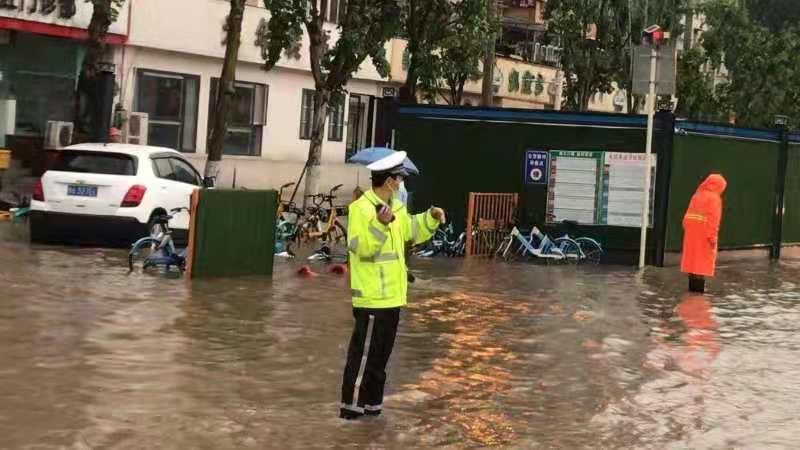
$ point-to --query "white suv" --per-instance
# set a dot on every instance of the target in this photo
(110, 193)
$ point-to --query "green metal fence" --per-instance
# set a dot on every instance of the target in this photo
(749, 166)
(791, 221)
(463, 150)
(457, 157)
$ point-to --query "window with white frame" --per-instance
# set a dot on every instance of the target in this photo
(247, 116)
(170, 100)
(306, 114)
(336, 120)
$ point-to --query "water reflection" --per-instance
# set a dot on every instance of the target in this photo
(489, 355)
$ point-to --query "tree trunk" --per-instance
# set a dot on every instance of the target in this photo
(88, 124)
(408, 92)
(487, 92)
(322, 99)
(98, 28)
(226, 90)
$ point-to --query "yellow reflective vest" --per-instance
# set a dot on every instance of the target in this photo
(377, 251)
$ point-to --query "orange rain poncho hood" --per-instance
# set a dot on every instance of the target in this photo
(701, 227)
(714, 183)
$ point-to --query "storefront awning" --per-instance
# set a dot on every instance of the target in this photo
(55, 30)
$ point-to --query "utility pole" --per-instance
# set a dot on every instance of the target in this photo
(653, 35)
(651, 107)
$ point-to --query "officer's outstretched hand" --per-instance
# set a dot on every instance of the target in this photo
(438, 214)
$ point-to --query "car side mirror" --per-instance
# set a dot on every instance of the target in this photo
(208, 182)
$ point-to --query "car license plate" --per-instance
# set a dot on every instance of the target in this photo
(82, 191)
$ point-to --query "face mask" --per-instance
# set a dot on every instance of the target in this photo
(401, 193)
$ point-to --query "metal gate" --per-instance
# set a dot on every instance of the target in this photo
(488, 219)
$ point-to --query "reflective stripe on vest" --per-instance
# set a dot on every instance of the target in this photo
(353, 247)
(383, 257)
(378, 234)
(695, 217)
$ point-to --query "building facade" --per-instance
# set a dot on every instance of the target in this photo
(170, 67)
(168, 57)
(41, 52)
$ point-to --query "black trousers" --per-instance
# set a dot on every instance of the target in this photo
(365, 371)
(697, 283)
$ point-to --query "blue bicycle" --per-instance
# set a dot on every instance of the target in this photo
(158, 249)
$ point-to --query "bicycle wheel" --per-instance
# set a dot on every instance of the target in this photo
(140, 251)
(501, 249)
(512, 251)
(591, 250)
(570, 249)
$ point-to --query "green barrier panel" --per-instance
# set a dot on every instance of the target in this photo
(458, 157)
(750, 169)
(234, 233)
(791, 220)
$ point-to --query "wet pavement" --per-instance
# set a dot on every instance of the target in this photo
(489, 354)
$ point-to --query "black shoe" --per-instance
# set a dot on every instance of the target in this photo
(346, 414)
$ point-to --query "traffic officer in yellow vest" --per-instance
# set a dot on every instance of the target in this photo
(378, 228)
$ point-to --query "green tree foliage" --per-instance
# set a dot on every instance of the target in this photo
(761, 51)
(597, 37)
(695, 88)
(591, 35)
(457, 58)
(365, 26)
(425, 26)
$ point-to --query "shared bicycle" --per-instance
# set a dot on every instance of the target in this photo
(158, 249)
(534, 243)
(319, 222)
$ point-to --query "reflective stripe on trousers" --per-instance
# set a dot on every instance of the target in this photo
(363, 366)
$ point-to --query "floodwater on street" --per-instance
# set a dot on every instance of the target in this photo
(488, 355)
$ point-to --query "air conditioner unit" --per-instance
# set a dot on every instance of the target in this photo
(135, 129)
(58, 134)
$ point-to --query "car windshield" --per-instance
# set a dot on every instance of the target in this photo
(93, 162)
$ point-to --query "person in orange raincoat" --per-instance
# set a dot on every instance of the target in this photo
(701, 230)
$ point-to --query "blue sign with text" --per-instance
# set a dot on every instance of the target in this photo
(537, 166)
